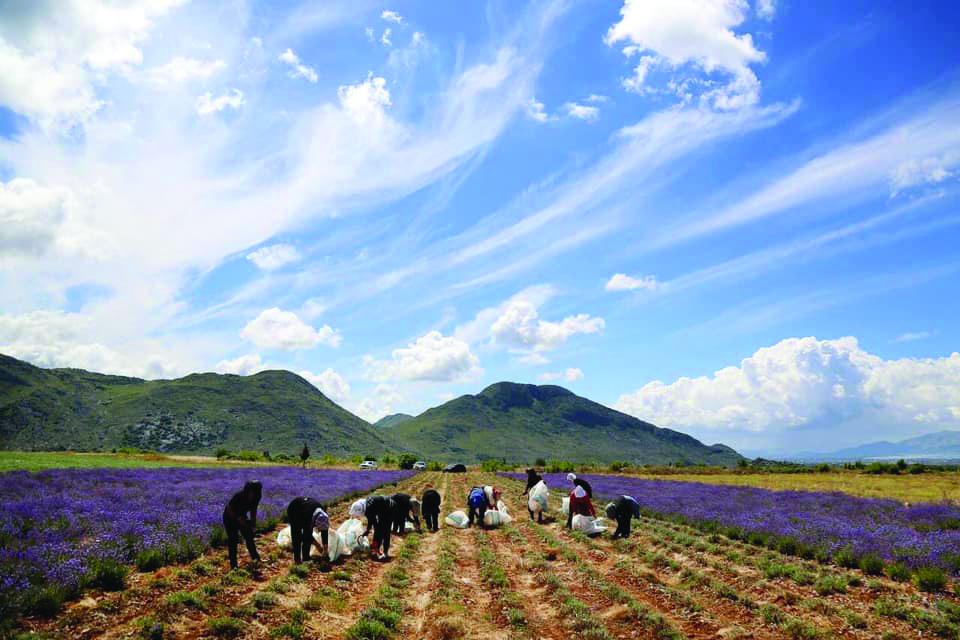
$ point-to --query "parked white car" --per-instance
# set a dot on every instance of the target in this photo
(368, 464)
(419, 465)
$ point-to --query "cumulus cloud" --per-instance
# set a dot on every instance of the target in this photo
(30, 216)
(331, 383)
(432, 357)
(519, 325)
(278, 329)
(297, 68)
(385, 37)
(274, 256)
(61, 339)
(806, 382)
(242, 365)
(380, 403)
(623, 282)
(535, 111)
(571, 374)
(181, 69)
(679, 33)
(921, 171)
(365, 102)
(53, 54)
(391, 16)
(208, 105)
(582, 111)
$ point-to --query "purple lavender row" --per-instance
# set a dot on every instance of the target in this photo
(54, 524)
(919, 535)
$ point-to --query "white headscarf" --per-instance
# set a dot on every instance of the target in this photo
(321, 520)
(579, 492)
(358, 508)
(571, 477)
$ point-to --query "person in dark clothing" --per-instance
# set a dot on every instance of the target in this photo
(405, 508)
(533, 478)
(379, 514)
(623, 510)
(477, 505)
(430, 506)
(305, 515)
(240, 517)
(577, 482)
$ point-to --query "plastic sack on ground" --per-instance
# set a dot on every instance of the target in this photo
(334, 544)
(538, 497)
(565, 505)
(457, 519)
(588, 525)
(284, 539)
(351, 535)
(495, 518)
(409, 526)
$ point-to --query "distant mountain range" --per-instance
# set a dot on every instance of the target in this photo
(942, 445)
(392, 420)
(522, 422)
(278, 411)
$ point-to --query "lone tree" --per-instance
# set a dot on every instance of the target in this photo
(304, 454)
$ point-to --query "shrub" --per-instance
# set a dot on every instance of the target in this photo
(264, 600)
(44, 602)
(289, 630)
(224, 627)
(388, 458)
(150, 629)
(150, 560)
(871, 565)
(930, 579)
(248, 456)
(493, 465)
(222, 453)
(366, 629)
(617, 467)
(406, 460)
(898, 571)
(830, 584)
(434, 465)
(190, 599)
(108, 575)
(539, 462)
(846, 559)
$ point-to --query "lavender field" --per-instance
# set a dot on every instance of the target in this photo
(58, 527)
(830, 525)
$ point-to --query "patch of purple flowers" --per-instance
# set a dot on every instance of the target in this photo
(918, 535)
(54, 524)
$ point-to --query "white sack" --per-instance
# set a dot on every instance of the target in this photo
(334, 546)
(409, 526)
(284, 539)
(457, 519)
(497, 517)
(588, 525)
(351, 535)
(565, 505)
(538, 497)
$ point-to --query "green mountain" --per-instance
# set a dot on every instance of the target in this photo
(522, 422)
(276, 411)
(392, 420)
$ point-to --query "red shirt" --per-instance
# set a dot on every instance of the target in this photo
(582, 506)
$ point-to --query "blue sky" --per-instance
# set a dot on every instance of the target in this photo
(738, 219)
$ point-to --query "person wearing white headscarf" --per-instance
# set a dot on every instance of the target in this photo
(579, 482)
(580, 504)
(358, 508)
(306, 515)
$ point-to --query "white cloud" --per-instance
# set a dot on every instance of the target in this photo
(369, 32)
(582, 111)
(181, 69)
(274, 256)
(533, 358)
(432, 357)
(922, 171)
(913, 336)
(410, 56)
(30, 216)
(52, 55)
(623, 282)
(313, 308)
(278, 329)
(365, 102)
(385, 37)
(297, 68)
(208, 105)
(391, 16)
(242, 366)
(637, 83)
(806, 382)
(596, 98)
(380, 403)
(61, 339)
(766, 9)
(535, 111)
(331, 383)
(692, 32)
(572, 374)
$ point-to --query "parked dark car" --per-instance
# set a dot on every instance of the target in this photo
(455, 468)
